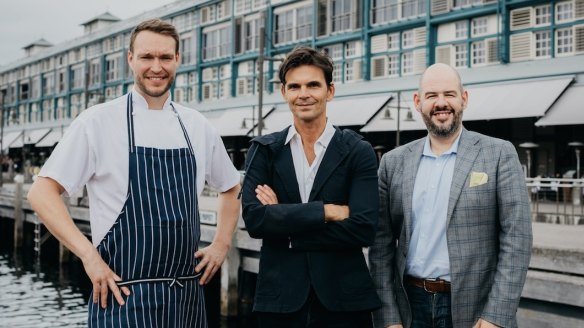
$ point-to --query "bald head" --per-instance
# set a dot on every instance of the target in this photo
(439, 71)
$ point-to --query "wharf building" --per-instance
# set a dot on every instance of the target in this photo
(521, 60)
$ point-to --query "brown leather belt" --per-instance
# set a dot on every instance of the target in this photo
(429, 285)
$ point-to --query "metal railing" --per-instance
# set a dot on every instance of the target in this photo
(556, 200)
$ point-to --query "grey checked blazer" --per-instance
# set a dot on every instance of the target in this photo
(489, 232)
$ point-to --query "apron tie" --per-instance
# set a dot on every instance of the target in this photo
(175, 281)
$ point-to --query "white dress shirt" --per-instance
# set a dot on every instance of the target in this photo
(305, 173)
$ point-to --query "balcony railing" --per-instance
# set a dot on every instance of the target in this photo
(556, 200)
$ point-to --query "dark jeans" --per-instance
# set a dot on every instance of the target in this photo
(314, 315)
(429, 310)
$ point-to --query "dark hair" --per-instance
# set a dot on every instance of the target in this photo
(157, 26)
(307, 56)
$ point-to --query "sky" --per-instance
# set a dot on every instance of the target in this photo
(24, 21)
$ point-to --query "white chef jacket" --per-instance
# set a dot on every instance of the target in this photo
(94, 152)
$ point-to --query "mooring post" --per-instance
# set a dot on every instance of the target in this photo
(64, 252)
(229, 283)
(18, 214)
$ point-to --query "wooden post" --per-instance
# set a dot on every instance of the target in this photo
(229, 283)
(18, 214)
(64, 252)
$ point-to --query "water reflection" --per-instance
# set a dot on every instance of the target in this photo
(38, 295)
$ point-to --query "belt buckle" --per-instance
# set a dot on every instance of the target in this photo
(426, 289)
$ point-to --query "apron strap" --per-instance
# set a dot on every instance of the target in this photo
(184, 130)
(130, 120)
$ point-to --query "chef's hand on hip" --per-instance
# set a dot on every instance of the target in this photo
(103, 280)
(210, 259)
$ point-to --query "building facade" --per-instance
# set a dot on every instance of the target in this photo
(522, 60)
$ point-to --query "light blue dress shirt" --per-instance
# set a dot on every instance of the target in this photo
(428, 251)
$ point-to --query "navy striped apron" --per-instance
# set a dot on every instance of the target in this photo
(151, 245)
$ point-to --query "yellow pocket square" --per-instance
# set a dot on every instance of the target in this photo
(478, 178)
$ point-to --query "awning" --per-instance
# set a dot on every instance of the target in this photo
(236, 121)
(568, 110)
(52, 138)
(386, 120)
(34, 136)
(528, 98)
(30, 137)
(354, 110)
(343, 111)
(10, 137)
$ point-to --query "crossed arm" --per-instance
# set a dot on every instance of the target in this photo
(313, 225)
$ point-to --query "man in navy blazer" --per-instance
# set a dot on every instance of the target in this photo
(310, 193)
(454, 238)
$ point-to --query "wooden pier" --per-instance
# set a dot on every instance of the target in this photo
(553, 294)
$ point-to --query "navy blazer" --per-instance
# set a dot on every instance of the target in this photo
(299, 249)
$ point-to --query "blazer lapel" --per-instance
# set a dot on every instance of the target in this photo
(465, 157)
(335, 153)
(284, 166)
(411, 162)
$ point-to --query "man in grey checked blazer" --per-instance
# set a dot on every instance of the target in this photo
(479, 246)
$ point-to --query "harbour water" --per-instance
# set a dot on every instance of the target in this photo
(37, 291)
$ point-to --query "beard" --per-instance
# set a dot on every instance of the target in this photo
(444, 130)
(154, 93)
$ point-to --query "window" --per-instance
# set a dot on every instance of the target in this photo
(341, 15)
(187, 49)
(48, 84)
(393, 41)
(337, 72)
(542, 44)
(304, 23)
(62, 78)
(284, 32)
(24, 91)
(76, 105)
(353, 70)
(249, 33)
(77, 77)
(407, 63)
(383, 11)
(412, 8)
(479, 53)
(337, 16)
(460, 3)
(242, 6)
(408, 38)
(480, 26)
(564, 41)
(94, 73)
(542, 15)
(36, 87)
(216, 43)
(207, 14)
(351, 49)
(112, 68)
(461, 29)
(564, 11)
(393, 65)
(460, 55)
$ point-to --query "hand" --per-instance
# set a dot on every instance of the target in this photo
(211, 258)
(266, 195)
(103, 278)
(334, 212)
(395, 326)
(484, 324)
